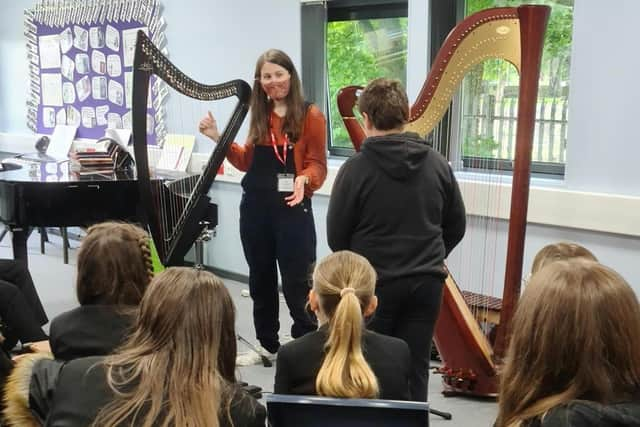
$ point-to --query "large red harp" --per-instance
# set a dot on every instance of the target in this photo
(517, 36)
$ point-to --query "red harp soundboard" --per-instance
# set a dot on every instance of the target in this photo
(515, 35)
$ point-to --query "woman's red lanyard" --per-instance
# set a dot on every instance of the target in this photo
(283, 158)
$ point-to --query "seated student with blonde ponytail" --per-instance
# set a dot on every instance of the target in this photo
(342, 358)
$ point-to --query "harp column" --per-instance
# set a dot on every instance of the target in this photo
(533, 23)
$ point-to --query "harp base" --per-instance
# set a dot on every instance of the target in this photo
(205, 235)
(466, 382)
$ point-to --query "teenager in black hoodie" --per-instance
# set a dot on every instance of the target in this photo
(397, 203)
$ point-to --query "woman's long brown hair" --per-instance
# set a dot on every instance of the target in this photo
(261, 105)
(577, 336)
(176, 367)
(344, 371)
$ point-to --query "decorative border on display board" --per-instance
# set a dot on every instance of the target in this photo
(80, 55)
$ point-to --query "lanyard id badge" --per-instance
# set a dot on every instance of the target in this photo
(285, 182)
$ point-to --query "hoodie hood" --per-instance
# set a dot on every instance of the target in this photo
(398, 155)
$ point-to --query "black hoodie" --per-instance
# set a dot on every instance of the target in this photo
(398, 204)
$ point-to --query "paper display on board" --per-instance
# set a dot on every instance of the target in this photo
(129, 38)
(128, 88)
(88, 117)
(127, 120)
(96, 37)
(68, 93)
(116, 92)
(51, 87)
(67, 67)
(98, 62)
(61, 117)
(66, 40)
(82, 63)
(112, 38)
(114, 66)
(73, 116)
(83, 88)
(101, 114)
(86, 74)
(99, 87)
(81, 38)
(49, 49)
(49, 117)
(114, 121)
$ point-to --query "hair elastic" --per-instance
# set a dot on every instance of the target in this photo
(348, 290)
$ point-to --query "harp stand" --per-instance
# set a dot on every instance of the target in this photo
(205, 236)
(445, 415)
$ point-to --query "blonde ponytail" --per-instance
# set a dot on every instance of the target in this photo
(344, 282)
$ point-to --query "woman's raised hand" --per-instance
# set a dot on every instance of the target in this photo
(208, 127)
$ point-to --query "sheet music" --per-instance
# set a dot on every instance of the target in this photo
(176, 152)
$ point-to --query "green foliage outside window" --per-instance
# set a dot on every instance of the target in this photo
(359, 51)
(499, 79)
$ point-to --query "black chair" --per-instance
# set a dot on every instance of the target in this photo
(286, 410)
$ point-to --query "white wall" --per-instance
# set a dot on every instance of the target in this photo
(13, 69)
(217, 40)
(603, 108)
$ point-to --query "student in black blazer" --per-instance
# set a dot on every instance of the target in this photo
(342, 358)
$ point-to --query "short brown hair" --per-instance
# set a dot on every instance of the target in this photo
(114, 264)
(386, 104)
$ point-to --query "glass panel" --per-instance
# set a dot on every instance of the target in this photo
(490, 94)
(359, 51)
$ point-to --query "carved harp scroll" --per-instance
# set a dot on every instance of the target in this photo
(174, 211)
(517, 36)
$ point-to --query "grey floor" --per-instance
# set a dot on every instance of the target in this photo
(55, 283)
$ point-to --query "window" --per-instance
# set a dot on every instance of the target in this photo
(489, 100)
(364, 40)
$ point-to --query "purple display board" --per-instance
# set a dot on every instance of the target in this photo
(86, 77)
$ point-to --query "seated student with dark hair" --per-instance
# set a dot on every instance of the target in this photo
(177, 368)
(342, 358)
(574, 356)
(114, 269)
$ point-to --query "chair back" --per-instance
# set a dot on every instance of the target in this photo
(312, 411)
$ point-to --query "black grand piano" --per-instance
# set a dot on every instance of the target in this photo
(45, 194)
